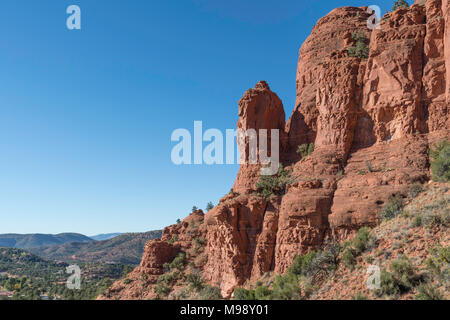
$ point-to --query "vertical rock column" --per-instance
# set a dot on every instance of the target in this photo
(434, 69)
(446, 12)
(259, 108)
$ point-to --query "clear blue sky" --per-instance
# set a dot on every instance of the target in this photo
(86, 116)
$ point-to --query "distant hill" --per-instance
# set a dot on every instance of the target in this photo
(105, 236)
(126, 248)
(26, 241)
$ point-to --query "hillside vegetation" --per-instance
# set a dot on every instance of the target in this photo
(411, 248)
(30, 277)
(126, 248)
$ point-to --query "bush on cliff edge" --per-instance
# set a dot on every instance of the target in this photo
(440, 161)
(274, 185)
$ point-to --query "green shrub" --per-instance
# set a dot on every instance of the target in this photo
(195, 281)
(305, 149)
(360, 296)
(199, 242)
(127, 281)
(244, 294)
(431, 219)
(404, 274)
(440, 161)
(263, 293)
(439, 262)
(417, 221)
(274, 185)
(360, 50)
(428, 292)
(286, 288)
(194, 208)
(302, 264)
(415, 190)
(393, 207)
(324, 262)
(388, 284)
(210, 293)
(168, 279)
(173, 239)
(127, 270)
(161, 289)
(348, 258)
(362, 240)
(178, 262)
(400, 4)
(436, 213)
(307, 288)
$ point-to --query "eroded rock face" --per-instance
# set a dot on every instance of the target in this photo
(183, 233)
(434, 71)
(372, 175)
(303, 221)
(332, 33)
(372, 121)
(240, 240)
(446, 16)
(338, 100)
(156, 253)
(259, 108)
(392, 83)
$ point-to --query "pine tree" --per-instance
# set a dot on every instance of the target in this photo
(360, 50)
(209, 206)
(399, 4)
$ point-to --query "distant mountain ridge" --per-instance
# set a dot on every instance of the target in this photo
(26, 241)
(126, 248)
(105, 236)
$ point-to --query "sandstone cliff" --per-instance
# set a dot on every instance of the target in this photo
(372, 121)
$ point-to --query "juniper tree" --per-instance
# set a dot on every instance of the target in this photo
(400, 4)
(360, 50)
(209, 206)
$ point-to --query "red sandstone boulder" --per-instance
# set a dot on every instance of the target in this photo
(156, 254)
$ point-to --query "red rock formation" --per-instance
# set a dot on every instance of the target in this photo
(392, 84)
(338, 99)
(331, 34)
(434, 73)
(372, 121)
(446, 15)
(372, 175)
(156, 253)
(303, 220)
(259, 108)
(182, 234)
(233, 230)
(139, 283)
